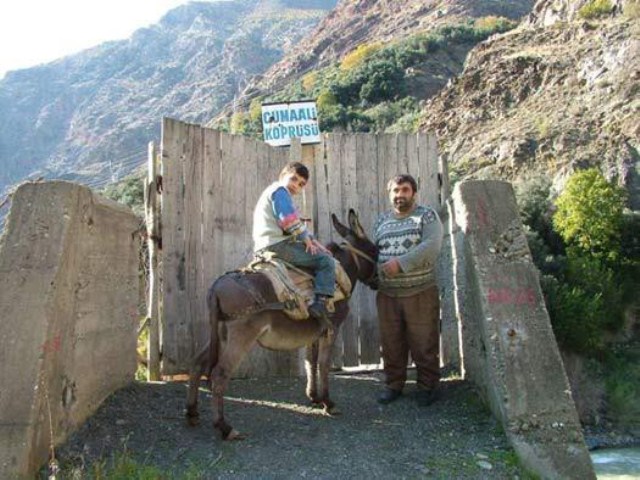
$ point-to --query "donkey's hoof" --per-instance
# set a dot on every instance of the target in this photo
(235, 435)
(332, 410)
(193, 419)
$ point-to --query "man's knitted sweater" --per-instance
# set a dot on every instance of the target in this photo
(415, 240)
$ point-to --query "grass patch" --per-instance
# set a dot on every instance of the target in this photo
(123, 466)
(595, 9)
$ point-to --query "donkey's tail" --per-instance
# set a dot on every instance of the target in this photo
(214, 338)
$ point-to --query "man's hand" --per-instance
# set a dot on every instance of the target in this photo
(391, 267)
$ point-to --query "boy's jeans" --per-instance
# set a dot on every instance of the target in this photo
(321, 264)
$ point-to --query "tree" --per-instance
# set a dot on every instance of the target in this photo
(589, 214)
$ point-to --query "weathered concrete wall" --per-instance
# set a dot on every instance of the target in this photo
(450, 354)
(68, 316)
(510, 352)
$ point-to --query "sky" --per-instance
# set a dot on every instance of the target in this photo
(40, 31)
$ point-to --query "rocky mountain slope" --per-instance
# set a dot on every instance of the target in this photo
(359, 22)
(89, 115)
(559, 93)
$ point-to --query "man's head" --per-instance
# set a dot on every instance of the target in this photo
(402, 192)
(294, 176)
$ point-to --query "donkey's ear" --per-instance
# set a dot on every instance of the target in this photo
(354, 223)
(340, 228)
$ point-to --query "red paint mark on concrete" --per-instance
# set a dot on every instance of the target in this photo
(511, 296)
(52, 345)
(483, 217)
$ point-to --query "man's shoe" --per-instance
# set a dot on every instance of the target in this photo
(426, 397)
(388, 395)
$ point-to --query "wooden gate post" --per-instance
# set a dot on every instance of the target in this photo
(151, 215)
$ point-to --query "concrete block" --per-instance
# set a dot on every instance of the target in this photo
(510, 352)
(450, 355)
(68, 316)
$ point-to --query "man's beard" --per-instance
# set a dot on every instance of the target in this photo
(403, 205)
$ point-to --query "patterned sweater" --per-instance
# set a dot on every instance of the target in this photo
(415, 240)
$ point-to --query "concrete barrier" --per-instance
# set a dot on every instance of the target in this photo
(510, 352)
(68, 316)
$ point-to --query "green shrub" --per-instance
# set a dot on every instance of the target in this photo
(595, 9)
(575, 316)
(623, 384)
(332, 116)
(589, 214)
(535, 205)
(128, 191)
(384, 81)
(326, 99)
(595, 278)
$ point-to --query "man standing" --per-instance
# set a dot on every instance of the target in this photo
(409, 238)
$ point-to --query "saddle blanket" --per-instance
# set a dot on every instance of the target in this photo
(294, 287)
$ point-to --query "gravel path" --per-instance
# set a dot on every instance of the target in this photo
(454, 438)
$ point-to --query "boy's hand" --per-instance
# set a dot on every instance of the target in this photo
(314, 247)
(310, 246)
(321, 247)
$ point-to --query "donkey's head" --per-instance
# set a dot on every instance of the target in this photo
(358, 250)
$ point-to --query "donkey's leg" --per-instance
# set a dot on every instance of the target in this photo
(326, 342)
(311, 367)
(241, 337)
(198, 368)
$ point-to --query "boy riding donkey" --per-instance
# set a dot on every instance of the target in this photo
(278, 228)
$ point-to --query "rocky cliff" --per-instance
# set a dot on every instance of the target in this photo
(354, 23)
(557, 94)
(90, 115)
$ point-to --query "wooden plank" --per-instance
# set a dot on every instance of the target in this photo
(232, 191)
(174, 301)
(413, 156)
(307, 156)
(401, 153)
(211, 197)
(369, 338)
(152, 212)
(429, 167)
(322, 210)
(350, 200)
(334, 146)
(196, 324)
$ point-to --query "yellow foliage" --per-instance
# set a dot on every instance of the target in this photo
(255, 110)
(356, 57)
(490, 22)
(309, 81)
(326, 99)
(237, 122)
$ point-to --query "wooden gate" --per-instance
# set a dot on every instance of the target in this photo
(211, 182)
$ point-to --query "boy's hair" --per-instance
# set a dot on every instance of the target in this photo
(297, 168)
(403, 178)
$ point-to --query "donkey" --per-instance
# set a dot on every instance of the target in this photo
(242, 313)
